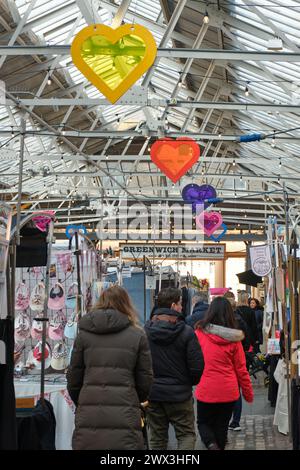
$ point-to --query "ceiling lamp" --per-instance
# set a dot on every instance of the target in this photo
(275, 44)
(206, 18)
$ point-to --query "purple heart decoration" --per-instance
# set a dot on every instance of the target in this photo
(195, 194)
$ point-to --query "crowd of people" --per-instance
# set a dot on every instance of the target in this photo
(171, 363)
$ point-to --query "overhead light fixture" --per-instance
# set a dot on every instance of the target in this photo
(206, 18)
(247, 91)
(63, 130)
(49, 81)
(275, 44)
(273, 143)
(233, 163)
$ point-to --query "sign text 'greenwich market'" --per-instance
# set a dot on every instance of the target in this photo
(203, 251)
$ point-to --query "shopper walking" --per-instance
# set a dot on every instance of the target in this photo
(259, 316)
(177, 366)
(109, 376)
(247, 315)
(224, 373)
(200, 307)
(242, 325)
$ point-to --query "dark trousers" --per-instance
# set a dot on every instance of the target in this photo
(213, 420)
(237, 412)
(180, 415)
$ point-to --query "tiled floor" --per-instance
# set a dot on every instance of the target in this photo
(258, 432)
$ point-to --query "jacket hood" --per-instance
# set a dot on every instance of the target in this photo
(222, 335)
(200, 307)
(102, 322)
(166, 311)
(162, 331)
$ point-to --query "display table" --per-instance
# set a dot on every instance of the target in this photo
(63, 407)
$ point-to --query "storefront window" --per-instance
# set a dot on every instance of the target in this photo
(233, 267)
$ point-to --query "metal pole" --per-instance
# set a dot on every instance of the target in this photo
(77, 254)
(44, 318)
(101, 232)
(22, 144)
(285, 325)
(145, 306)
(296, 293)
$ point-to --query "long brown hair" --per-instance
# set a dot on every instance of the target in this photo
(220, 312)
(117, 298)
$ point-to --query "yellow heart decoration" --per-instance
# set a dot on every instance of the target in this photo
(113, 59)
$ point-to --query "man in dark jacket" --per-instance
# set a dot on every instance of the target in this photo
(177, 366)
(200, 302)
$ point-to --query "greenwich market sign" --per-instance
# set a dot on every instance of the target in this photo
(203, 251)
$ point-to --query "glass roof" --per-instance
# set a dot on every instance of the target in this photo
(121, 162)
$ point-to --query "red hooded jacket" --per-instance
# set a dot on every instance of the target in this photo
(225, 369)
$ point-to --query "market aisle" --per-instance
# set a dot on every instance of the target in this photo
(258, 432)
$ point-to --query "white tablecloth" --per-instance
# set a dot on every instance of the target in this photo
(62, 405)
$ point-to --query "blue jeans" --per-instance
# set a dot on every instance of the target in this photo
(237, 412)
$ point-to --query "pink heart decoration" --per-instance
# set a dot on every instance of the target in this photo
(209, 222)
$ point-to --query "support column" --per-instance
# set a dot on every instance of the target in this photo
(219, 273)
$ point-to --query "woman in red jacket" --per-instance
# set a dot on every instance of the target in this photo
(224, 373)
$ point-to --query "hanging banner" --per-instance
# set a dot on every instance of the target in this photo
(203, 251)
(260, 257)
(126, 272)
(151, 282)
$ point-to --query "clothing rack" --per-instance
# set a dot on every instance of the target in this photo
(11, 289)
(75, 235)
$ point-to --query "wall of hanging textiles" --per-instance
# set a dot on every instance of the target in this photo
(62, 306)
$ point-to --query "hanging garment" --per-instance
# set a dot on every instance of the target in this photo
(65, 262)
(281, 417)
(36, 428)
(8, 430)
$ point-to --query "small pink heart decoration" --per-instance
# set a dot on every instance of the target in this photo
(209, 222)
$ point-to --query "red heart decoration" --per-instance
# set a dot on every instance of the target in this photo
(175, 157)
(209, 222)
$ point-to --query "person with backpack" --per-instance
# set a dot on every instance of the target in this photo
(224, 373)
(177, 365)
